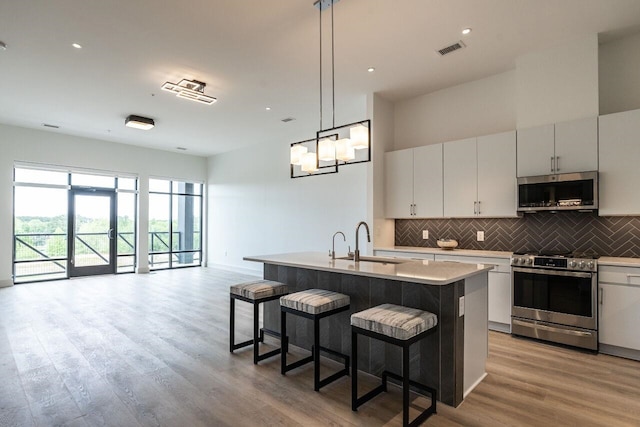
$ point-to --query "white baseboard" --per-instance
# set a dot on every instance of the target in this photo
(242, 270)
(6, 283)
(500, 327)
(627, 353)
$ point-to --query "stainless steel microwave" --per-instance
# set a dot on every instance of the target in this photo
(560, 192)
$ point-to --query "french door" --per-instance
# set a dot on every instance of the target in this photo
(92, 225)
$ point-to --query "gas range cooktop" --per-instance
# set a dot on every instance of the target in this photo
(560, 260)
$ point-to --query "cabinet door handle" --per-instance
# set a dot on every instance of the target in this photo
(478, 207)
(557, 163)
(552, 161)
(414, 209)
(475, 208)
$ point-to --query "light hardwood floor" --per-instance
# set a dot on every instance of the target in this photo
(152, 349)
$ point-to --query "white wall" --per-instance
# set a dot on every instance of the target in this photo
(480, 107)
(28, 145)
(558, 84)
(255, 208)
(619, 75)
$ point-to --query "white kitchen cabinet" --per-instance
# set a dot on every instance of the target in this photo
(536, 150)
(565, 147)
(619, 171)
(480, 176)
(460, 178)
(497, 175)
(499, 288)
(619, 310)
(413, 182)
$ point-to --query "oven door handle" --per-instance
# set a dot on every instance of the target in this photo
(553, 272)
(552, 329)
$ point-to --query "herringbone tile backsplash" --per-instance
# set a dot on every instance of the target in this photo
(566, 231)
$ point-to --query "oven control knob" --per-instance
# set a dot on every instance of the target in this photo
(590, 265)
(529, 261)
(582, 264)
(572, 264)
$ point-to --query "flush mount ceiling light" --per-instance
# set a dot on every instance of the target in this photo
(76, 45)
(466, 31)
(139, 122)
(193, 90)
(335, 146)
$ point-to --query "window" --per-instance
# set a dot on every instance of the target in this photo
(175, 223)
(41, 222)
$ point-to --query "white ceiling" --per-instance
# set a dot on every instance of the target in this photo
(253, 54)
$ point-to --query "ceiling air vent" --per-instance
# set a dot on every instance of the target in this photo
(47, 125)
(452, 48)
(288, 119)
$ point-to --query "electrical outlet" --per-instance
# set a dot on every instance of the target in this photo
(425, 234)
(480, 236)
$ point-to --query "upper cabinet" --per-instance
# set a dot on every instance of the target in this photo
(413, 182)
(480, 176)
(561, 148)
(619, 159)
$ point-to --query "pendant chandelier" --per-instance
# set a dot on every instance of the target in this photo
(335, 146)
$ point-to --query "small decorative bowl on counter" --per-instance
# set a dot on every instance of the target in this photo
(448, 244)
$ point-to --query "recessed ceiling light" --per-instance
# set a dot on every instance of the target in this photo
(268, 108)
(466, 31)
(139, 122)
(77, 46)
(371, 69)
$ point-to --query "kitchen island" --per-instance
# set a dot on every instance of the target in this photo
(451, 360)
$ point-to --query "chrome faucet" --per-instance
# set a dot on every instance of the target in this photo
(356, 254)
(333, 244)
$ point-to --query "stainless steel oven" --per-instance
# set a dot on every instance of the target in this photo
(555, 298)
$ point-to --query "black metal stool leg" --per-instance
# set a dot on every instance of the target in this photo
(232, 315)
(256, 332)
(283, 342)
(405, 385)
(354, 371)
(316, 354)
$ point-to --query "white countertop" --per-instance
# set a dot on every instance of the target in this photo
(423, 271)
(619, 261)
(463, 252)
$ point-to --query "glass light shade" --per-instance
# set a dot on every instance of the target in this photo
(309, 163)
(359, 137)
(327, 150)
(296, 154)
(344, 150)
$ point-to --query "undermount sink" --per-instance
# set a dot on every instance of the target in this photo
(377, 259)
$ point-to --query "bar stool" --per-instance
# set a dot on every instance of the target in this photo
(313, 304)
(255, 292)
(397, 325)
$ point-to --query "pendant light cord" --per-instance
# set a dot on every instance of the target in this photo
(333, 73)
(320, 9)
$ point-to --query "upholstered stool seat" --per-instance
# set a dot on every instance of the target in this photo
(313, 304)
(254, 292)
(399, 325)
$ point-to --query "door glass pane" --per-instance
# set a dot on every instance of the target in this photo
(126, 240)
(92, 225)
(186, 223)
(99, 181)
(40, 230)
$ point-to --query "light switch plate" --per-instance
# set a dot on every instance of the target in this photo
(461, 306)
(425, 234)
(480, 236)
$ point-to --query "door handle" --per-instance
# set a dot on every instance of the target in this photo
(110, 234)
(601, 296)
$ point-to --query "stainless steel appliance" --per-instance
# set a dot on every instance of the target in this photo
(555, 297)
(561, 192)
